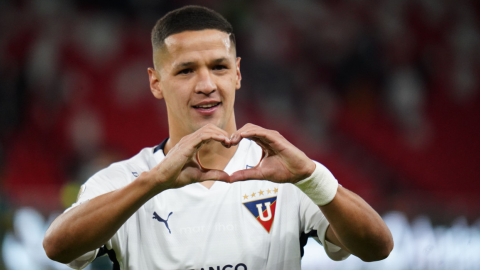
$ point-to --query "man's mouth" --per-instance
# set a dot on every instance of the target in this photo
(207, 106)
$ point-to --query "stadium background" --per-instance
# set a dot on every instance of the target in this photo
(384, 93)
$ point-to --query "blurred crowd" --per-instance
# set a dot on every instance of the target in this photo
(418, 245)
(384, 93)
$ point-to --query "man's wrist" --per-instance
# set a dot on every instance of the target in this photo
(149, 185)
(321, 186)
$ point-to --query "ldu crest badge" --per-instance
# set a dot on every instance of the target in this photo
(263, 210)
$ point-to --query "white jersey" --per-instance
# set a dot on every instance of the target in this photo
(245, 225)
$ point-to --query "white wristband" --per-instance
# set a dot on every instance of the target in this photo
(321, 186)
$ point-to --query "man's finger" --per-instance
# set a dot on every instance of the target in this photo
(261, 141)
(215, 128)
(208, 136)
(216, 175)
(211, 128)
(248, 174)
(236, 138)
(267, 136)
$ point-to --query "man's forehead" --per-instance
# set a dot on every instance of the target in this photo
(182, 45)
(207, 37)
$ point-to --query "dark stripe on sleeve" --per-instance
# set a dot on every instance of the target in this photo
(304, 238)
(102, 251)
(111, 255)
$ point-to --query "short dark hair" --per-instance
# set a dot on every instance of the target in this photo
(189, 18)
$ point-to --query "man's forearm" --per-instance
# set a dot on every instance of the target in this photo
(91, 224)
(357, 226)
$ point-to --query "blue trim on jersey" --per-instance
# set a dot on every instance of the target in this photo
(111, 255)
(161, 146)
(304, 238)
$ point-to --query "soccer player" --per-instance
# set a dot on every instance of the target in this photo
(186, 204)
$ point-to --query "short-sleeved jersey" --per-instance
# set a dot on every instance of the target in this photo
(245, 225)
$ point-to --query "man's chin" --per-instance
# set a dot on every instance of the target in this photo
(200, 124)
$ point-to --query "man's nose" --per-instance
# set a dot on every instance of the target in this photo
(205, 84)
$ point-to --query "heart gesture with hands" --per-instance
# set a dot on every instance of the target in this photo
(282, 163)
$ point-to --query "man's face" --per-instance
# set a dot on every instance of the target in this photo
(197, 73)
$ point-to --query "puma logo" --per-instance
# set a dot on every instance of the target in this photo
(157, 217)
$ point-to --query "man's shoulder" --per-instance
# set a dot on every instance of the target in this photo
(145, 159)
(117, 175)
(134, 166)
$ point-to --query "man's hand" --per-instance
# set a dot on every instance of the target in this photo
(283, 162)
(179, 168)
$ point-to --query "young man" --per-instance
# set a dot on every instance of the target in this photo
(185, 204)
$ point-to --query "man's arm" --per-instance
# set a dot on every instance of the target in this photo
(354, 225)
(91, 224)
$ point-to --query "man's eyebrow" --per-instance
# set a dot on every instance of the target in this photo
(184, 64)
(220, 60)
(191, 63)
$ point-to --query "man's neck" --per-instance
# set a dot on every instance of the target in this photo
(214, 155)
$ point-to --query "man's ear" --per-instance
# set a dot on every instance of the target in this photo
(239, 74)
(154, 78)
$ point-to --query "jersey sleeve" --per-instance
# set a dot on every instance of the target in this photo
(106, 180)
(312, 219)
(84, 260)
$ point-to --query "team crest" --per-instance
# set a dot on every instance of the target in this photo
(263, 210)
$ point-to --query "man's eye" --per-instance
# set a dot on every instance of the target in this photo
(219, 67)
(185, 71)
